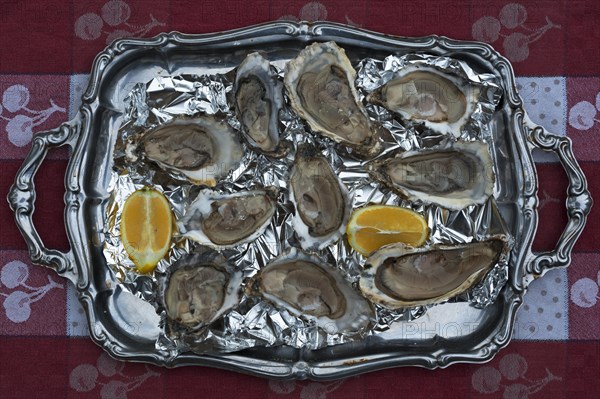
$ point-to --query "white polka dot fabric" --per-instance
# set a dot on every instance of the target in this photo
(76, 321)
(545, 101)
(78, 84)
(544, 313)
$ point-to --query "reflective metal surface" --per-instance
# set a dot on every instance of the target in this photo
(446, 334)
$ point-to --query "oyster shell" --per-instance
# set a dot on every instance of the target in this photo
(226, 220)
(202, 148)
(320, 85)
(444, 102)
(199, 288)
(454, 175)
(397, 275)
(258, 100)
(307, 287)
(320, 198)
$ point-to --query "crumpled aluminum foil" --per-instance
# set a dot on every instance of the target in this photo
(256, 322)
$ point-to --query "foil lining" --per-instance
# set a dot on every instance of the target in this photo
(256, 322)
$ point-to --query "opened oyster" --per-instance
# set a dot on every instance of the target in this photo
(320, 198)
(444, 102)
(225, 220)
(307, 287)
(202, 149)
(454, 175)
(320, 84)
(399, 276)
(200, 288)
(258, 100)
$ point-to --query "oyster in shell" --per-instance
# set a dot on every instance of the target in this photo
(320, 85)
(307, 287)
(258, 100)
(397, 275)
(226, 220)
(203, 149)
(442, 101)
(199, 288)
(454, 175)
(321, 200)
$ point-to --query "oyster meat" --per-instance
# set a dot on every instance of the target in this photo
(307, 287)
(398, 276)
(320, 85)
(442, 101)
(453, 176)
(225, 220)
(321, 200)
(258, 100)
(200, 288)
(203, 149)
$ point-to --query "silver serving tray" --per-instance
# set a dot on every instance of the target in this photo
(447, 334)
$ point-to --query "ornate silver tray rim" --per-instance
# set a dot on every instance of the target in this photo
(78, 264)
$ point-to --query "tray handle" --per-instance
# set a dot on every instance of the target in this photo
(579, 201)
(22, 195)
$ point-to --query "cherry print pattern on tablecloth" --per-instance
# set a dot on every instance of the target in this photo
(583, 107)
(544, 312)
(584, 296)
(21, 124)
(17, 303)
(539, 372)
(584, 114)
(510, 378)
(108, 374)
(511, 26)
(32, 297)
(112, 23)
(28, 105)
(98, 23)
(107, 378)
(545, 100)
(523, 32)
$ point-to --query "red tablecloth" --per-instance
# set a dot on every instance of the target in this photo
(46, 52)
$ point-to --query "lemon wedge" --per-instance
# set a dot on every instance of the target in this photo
(374, 226)
(146, 228)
